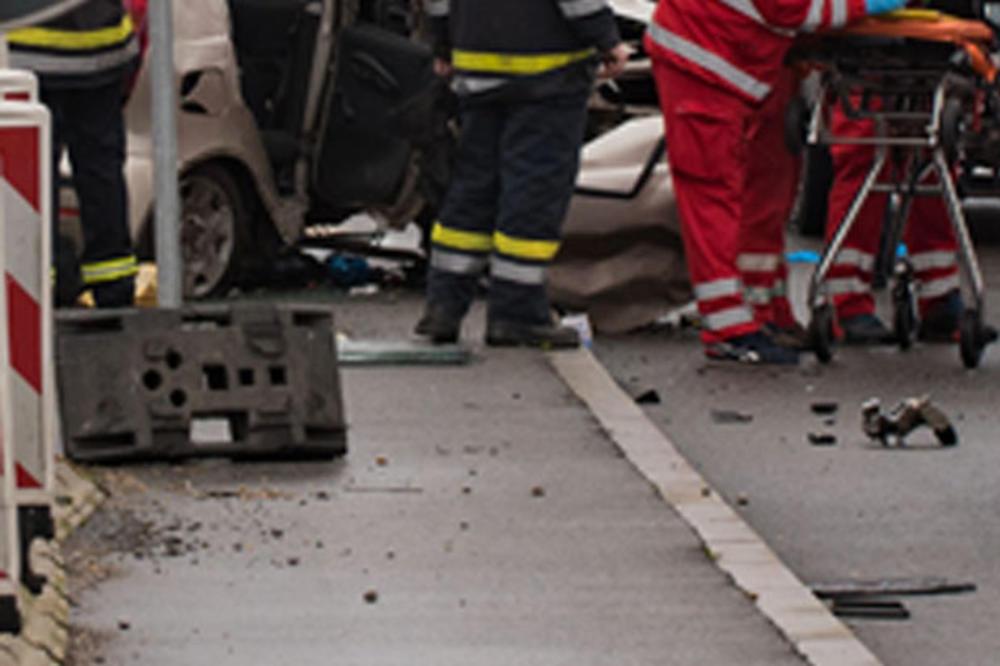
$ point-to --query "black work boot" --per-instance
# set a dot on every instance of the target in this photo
(116, 294)
(517, 334)
(439, 326)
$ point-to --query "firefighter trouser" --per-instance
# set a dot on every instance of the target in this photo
(510, 190)
(768, 197)
(88, 122)
(706, 130)
(929, 236)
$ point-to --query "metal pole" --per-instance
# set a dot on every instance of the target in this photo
(168, 246)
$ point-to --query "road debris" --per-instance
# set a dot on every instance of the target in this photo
(927, 586)
(892, 428)
(650, 397)
(731, 417)
(371, 597)
(870, 609)
(398, 352)
(822, 439)
(824, 408)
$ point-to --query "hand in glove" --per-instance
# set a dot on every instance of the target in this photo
(883, 6)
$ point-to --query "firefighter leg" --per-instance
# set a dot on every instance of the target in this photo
(462, 240)
(94, 131)
(769, 194)
(540, 150)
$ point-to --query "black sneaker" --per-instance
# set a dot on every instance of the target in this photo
(546, 336)
(794, 337)
(439, 326)
(866, 329)
(754, 349)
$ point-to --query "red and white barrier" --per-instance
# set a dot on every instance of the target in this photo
(27, 398)
(18, 86)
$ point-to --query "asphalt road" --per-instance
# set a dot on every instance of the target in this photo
(856, 510)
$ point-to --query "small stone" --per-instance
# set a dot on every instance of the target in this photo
(323, 496)
(319, 545)
(238, 547)
(277, 534)
(390, 555)
(371, 597)
(538, 491)
(742, 500)
(466, 490)
(124, 625)
(515, 396)
(293, 561)
(464, 526)
(381, 461)
(706, 491)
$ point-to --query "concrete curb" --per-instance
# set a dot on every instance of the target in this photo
(44, 638)
(736, 548)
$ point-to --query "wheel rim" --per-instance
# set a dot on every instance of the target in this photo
(208, 234)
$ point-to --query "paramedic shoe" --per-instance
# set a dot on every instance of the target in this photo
(866, 329)
(940, 321)
(754, 349)
(517, 334)
(439, 326)
(794, 336)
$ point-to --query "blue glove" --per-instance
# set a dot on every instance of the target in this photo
(883, 6)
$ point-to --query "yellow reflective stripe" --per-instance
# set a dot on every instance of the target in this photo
(469, 241)
(70, 40)
(109, 271)
(506, 63)
(521, 248)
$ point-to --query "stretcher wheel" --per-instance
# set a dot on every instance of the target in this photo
(796, 125)
(904, 308)
(821, 332)
(952, 127)
(973, 338)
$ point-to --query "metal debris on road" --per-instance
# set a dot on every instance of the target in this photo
(892, 428)
(399, 352)
(927, 586)
(730, 417)
(822, 439)
(870, 609)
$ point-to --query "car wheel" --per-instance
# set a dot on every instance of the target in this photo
(215, 227)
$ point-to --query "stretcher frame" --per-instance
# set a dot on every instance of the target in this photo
(918, 134)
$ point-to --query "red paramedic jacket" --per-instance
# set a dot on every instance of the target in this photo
(739, 44)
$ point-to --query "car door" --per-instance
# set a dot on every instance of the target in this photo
(384, 102)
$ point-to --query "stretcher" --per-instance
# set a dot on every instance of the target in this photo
(929, 84)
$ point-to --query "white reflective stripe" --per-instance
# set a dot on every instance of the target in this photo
(719, 66)
(437, 8)
(707, 291)
(515, 272)
(843, 286)
(723, 319)
(75, 64)
(453, 262)
(838, 13)
(926, 261)
(938, 288)
(471, 85)
(573, 9)
(856, 259)
(815, 16)
(758, 295)
(748, 9)
(758, 263)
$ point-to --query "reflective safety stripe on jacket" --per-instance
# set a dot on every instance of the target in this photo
(492, 42)
(95, 38)
(740, 44)
(110, 270)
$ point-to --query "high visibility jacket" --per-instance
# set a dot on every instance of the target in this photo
(526, 48)
(90, 45)
(739, 44)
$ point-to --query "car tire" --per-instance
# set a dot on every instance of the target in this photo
(217, 223)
